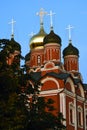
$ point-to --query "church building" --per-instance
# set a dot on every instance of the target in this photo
(62, 82)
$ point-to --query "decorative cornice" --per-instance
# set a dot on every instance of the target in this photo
(51, 92)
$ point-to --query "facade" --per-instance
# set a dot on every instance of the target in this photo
(62, 82)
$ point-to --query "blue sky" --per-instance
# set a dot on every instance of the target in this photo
(73, 12)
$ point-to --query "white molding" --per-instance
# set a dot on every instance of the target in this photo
(69, 93)
(80, 109)
(85, 114)
(81, 99)
(69, 80)
(72, 107)
(75, 104)
(63, 105)
(51, 92)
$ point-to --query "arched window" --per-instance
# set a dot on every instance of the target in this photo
(38, 59)
(71, 113)
(80, 116)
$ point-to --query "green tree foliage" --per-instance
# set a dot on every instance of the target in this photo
(40, 109)
(13, 113)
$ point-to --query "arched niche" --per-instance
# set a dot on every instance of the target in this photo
(80, 90)
(49, 65)
(49, 83)
(69, 85)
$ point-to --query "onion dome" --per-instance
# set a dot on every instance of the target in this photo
(52, 38)
(37, 40)
(15, 45)
(70, 50)
(27, 57)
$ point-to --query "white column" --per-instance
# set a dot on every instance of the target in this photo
(85, 112)
(63, 105)
(75, 104)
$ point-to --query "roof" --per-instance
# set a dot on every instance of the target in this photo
(27, 56)
(15, 45)
(52, 38)
(37, 40)
(58, 75)
(85, 86)
(37, 75)
(70, 50)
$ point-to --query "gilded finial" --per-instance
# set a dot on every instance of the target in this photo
(41, 14)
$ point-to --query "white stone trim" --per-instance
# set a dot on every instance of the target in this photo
(81, 90)
(81, 99)
(52, 44)
(63, 105)
(75, 104)
(85, 114)
(72, 107)
(69, 80)
(51, 92)
(85, 120)
(68, 56)
(79, 108)
(69, 94)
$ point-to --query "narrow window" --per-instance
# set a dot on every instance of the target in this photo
(86, 119)
(71, 116)
(71, 113)
(38, 60)
(80, 116)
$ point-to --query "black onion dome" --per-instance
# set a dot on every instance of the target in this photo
(27, 57)
(52, 38)
(70, 50)
(15, 45)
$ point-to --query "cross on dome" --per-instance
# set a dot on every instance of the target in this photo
(69, 28)
(12, 23)
(31, 34)
(41, 14)
(51, 18)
